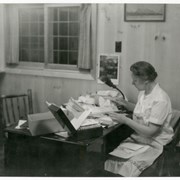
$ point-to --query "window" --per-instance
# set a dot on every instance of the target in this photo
(62, 35)
(57, 36)
(63, 32)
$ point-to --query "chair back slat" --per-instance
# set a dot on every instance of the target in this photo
(30, 103)
(25, 107)
(18, 106)
(6, 112)
(12, 109)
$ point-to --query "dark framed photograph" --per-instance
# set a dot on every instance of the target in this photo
(144, 12)
(108, 65)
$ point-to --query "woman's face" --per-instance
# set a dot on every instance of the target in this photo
(138, 83)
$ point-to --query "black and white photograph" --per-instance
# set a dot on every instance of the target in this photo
(108, 65)
(89, 89)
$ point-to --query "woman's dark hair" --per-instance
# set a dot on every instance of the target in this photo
(144, 71)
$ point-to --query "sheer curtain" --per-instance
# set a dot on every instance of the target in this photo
(12, 35)
(87, 40)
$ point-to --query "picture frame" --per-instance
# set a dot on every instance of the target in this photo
(108, 65)
(144, 12)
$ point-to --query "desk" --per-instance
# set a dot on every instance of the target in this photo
(52, 155)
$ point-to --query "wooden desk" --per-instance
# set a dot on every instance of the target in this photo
(52, 155)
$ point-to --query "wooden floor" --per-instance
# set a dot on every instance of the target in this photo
(64, 172)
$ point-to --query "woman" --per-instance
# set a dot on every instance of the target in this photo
(151, 118)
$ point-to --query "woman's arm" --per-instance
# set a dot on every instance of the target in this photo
(147, 131)
(141, 129)
(128, 105)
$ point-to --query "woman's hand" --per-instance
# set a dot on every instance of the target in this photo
(121, 118)
(120, 102)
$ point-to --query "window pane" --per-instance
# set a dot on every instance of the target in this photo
(55, 15)
(41, 55)
(34, 43)
(41, 16)
(63, 29)
(73, 58)
(55, 29)
(34, 29)
(73, 43)
(41, 42)
(24, 42)
(63, 43)
(55, 43)
(56, 57)
(41, 29)
(63, 14)
(34, 16)
(74, 14)
(63, 56)
(73, 29)
(24, 15)
(34, 56)
(24, 55)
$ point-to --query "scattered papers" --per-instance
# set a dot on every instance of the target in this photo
(20, 123)
(76, 122)
(97, 110)
(63, 134)
(87, 99)
(129, 149)
(108, 93)
(89, 122)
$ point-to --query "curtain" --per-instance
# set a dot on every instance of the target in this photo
(87, 39)
(12, 35)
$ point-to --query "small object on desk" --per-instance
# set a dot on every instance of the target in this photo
(22, 124)
(63, 134)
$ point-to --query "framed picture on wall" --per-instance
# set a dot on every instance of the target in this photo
(144, 12)
(108, 65)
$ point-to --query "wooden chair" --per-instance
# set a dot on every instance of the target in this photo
(14, 107)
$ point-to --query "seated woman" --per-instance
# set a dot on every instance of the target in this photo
(151, 118)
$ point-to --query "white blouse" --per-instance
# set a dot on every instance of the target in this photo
(155, 108)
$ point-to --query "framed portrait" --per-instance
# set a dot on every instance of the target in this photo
(144, 12)
(108, 65)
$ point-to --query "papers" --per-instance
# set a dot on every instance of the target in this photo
(128, 149)
(76, 122)
(63, 134)
(89, 122)
(108, 93)
(20, 123)
(100, 110)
